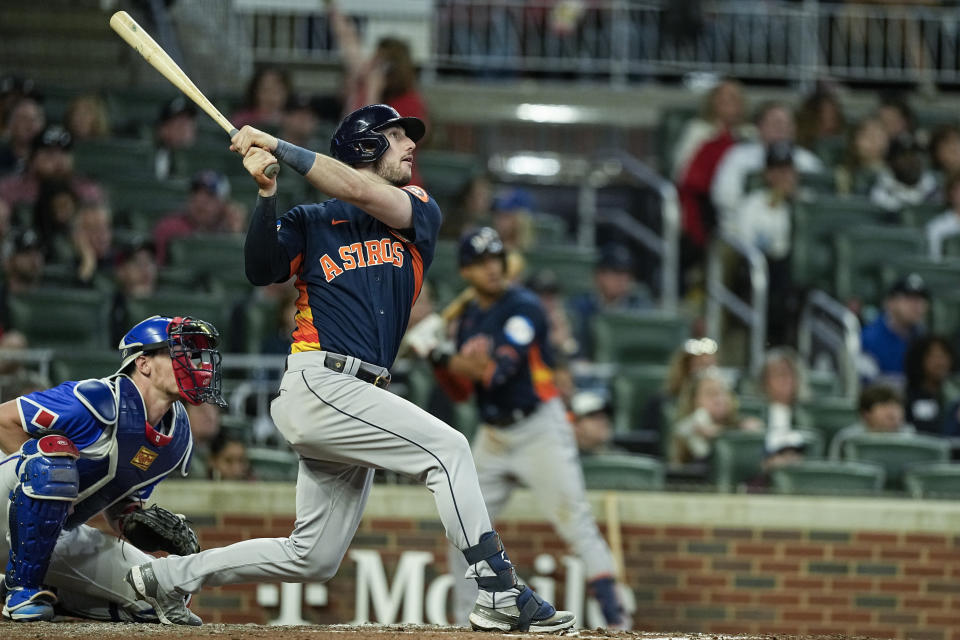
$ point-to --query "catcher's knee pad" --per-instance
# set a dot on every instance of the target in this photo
(49, 483)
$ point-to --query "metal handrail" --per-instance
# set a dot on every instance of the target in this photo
(719, 297)
(842, 336)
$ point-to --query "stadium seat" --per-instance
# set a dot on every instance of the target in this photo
(861, 252)
(572, 265)
(260, 321)
(80, 364)
(140, 203)
(61, 317)
(920, 215)
(214, 256)
(938, 480)
(204, 306)
(896, 452)
(549, 230)
(273, 465)
(830, 415)
(637, 338)
(632, 387)
(940, 276)
(945, 312)
(107, 159)
(737, 459)
(819, 477)
(622, 472)
(446, 173)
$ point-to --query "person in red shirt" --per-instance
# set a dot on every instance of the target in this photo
(204, 211)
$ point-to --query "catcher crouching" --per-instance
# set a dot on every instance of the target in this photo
(97, 446)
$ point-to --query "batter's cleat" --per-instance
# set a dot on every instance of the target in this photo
(170, 607)
(518, 609)
(28, 605)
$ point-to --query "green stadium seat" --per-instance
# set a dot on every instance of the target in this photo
(549, 230)
(737, 459)
(40, 315)
(622, 472)
(204, 306)
(80, 364)
(823, 383)
(572, 265)
(938, 480)
(632, 387)
(896, 452)
(273, 465)
(828, 415)
(940, 276)
(110, 158)
(945, 311)
(637, 338)
(213, 256)
(951, 247)
(861, 253)
(816, 444)
(819, 477)
(920, 215)
(446, 173)
(260, 322)
(140, 203)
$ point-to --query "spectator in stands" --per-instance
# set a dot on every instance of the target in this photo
(905, 182)
(774, 124)
(763, 220)
(300, 122)
(896, 115)
(174, 132)
(695, 355)
(22, 269)
(136, 276)
(721, 111)
(881, 411)
(615, 290)
(51, 159)
(15, 341)
(205, 426)
(547, 287)
(947, 224)
(945, 150)
(471, 209)
(780, 449)
(512, 212)
(228, 458)
(591, 423)
(236, 215)
(86, 118)
(25, 120)
(865, 158)
(93, 243)
(209, 191)
(821, 125)
(53, 215)
(706, 409)
(884, 341)
(265, 99)
(12, 88)
(782, 386)
(929, 390)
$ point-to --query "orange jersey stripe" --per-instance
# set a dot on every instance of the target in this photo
(541, 375)
(417, 261)
(295, 265)
(305, 336)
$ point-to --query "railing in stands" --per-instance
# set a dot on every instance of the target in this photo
(827, 328)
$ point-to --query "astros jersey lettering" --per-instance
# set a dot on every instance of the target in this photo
(357, 277)
(522, 377)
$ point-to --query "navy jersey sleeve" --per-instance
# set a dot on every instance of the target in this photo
(273, 246)
(426, 222)
(291, 232)
(58, 409)
(524, 329)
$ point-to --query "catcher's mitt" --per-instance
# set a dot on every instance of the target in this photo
(156, 529)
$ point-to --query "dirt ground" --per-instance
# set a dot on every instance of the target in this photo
(100, 631)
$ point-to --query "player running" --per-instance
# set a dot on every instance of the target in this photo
(85, 447)
(503, 355)
(359, 260)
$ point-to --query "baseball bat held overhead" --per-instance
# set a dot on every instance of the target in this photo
(134, 35)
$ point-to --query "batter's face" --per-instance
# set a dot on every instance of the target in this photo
(486, 275)
(396, 164)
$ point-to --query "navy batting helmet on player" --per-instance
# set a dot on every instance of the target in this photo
(481, 242)
(192, 344)
(358, 139)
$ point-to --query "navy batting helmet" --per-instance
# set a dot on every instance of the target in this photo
(481, 242)
(358, 138)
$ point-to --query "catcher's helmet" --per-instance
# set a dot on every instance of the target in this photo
(358, 139)
(481, 242)
(192, 344)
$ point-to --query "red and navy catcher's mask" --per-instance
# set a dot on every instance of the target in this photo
(192, 345)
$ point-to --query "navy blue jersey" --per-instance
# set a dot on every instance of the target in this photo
(358, 278)
(520, 377)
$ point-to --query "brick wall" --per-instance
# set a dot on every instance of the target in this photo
(735, 576)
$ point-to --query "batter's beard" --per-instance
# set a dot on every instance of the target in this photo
(394, 176)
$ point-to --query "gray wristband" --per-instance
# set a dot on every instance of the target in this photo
(297, 158)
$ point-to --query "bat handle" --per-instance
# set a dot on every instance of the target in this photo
(271, 170)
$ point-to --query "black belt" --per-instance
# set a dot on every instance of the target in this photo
(377, 376)
(507, 419)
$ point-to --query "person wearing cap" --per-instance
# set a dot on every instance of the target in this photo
(881, 411)
(174, 132)
(51, 160)
(884, 342)
(615, 289)
(906, 181)
(203, 213)
(26, 119)
(592, 429)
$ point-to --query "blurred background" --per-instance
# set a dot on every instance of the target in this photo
(743, 217)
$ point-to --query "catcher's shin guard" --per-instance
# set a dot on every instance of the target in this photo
(38, 507)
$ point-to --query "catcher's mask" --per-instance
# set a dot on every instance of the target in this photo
(192, 344)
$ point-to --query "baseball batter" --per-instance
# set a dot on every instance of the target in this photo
(86, 447)
(525, 439)
(359, 261)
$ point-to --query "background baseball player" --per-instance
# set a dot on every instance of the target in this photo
(85, 447)
(359, 260)
(503, 354)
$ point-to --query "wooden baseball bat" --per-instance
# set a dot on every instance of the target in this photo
(611, 504)
(134, 35)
